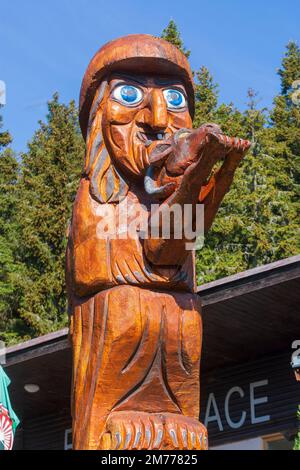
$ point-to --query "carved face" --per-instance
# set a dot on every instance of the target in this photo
(137, 111)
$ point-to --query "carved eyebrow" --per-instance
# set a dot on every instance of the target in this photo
(135, 79)
(167, 81)
(142, 80)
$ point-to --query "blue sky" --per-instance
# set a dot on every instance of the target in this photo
(46, 46)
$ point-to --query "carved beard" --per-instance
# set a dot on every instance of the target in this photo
(106, 183)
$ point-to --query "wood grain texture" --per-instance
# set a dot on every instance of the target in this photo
(135, 317)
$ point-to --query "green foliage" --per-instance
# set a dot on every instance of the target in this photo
(258, 221)
(8, 202)
(5, 137)
(50, 174)
(285, 121)
(46, 189)
(172, 34)
(206, 97)
(290, 69)
(297, 440)
(11, 269)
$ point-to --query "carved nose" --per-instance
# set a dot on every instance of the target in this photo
(158, 116)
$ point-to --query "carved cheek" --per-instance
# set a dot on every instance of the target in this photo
(118, 114)
(120, 135)
(180, 120)
(118, 123)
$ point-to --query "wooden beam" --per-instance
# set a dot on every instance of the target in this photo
(249, 281)
(37, 347)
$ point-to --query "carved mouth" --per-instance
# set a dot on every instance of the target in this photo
(148, 137)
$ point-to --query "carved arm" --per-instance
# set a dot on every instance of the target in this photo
(190, 176)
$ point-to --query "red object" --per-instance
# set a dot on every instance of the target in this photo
(6, 429)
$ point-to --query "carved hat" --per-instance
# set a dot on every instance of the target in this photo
(136, 52)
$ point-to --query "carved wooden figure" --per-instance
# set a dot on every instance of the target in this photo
(135, 317)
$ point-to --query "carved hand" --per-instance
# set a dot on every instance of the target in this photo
(183, 171)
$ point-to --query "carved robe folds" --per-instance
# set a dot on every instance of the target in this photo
(136, 370)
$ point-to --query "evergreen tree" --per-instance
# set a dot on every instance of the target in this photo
(10, 269)
(49, 180)
(5, 137)
(290, 68)
(258, 220)
(206, 97)
(284, 142)
(231, 244)
(171, 34)
(285, 127)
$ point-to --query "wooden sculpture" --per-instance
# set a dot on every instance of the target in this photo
(135, 317)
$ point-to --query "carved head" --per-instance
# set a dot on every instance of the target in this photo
(137, 90)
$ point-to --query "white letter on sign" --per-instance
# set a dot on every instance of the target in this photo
(258, 401)
(216, 417)
(234, 424)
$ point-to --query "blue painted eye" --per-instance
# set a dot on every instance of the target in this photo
(174, 99)
(127, 94)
